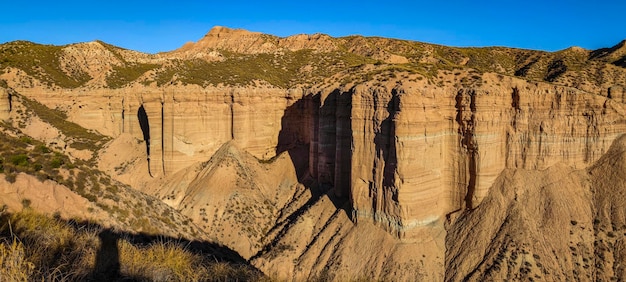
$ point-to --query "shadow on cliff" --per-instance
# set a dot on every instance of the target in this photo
(144, 124)
(317, 135)
(385, 143)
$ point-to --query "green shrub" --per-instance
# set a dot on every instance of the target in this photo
(10, 177)
(26, 203)
(19, 160)
(42, 148)
(56, 162)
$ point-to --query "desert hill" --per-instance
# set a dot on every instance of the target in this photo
(316, 157)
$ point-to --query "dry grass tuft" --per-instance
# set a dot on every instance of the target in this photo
(13, 262)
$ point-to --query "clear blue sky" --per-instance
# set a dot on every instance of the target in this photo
(154, 26)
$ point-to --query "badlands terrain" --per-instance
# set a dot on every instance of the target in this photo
(312, 157)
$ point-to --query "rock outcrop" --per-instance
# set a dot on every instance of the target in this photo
(5, 104)
(247, 42)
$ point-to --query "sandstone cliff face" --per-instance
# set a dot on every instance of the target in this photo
(178, 126)
(406, 155)
(438, 151)
(552, 225)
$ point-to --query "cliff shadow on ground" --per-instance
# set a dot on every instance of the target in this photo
(60, 249)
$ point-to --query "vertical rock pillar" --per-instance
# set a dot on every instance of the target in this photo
(5, 104)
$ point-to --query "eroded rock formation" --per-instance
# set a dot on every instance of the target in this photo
(405, 156)
(306, 180)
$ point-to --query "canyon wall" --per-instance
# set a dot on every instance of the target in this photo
(406, 154)
(178, 125)
(422, 153)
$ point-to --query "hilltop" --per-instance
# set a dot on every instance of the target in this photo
(230, 57)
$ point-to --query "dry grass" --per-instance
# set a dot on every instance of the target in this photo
(13, 262)
(41, 248)
(37, 247)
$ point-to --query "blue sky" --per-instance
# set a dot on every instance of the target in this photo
(154, 26)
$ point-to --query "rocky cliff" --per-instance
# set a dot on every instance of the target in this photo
(291, 150)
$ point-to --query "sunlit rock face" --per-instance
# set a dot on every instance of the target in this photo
(404, 155)
(421, 154)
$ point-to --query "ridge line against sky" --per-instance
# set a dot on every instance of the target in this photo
(157, 26)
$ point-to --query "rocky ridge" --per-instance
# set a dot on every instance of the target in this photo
(317, 141)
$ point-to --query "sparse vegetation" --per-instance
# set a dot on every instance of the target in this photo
(287, 68)
(121, 76)
(29, 156)
(41, 62)
(25, 155)
(281, 70)
(128, 71)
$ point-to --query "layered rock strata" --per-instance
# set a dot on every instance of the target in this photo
(406, 154)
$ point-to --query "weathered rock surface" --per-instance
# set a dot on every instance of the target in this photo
(553, 224)
(246, 42)
(5, 104)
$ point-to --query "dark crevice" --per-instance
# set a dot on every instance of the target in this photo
(468, 143)
(232, 116)
(10, 97)
(123, 116)
(386, 145)
(142, 116)
(472, 96)
(515, 99)
(162, 138)
(471, 185)
(515, 105)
